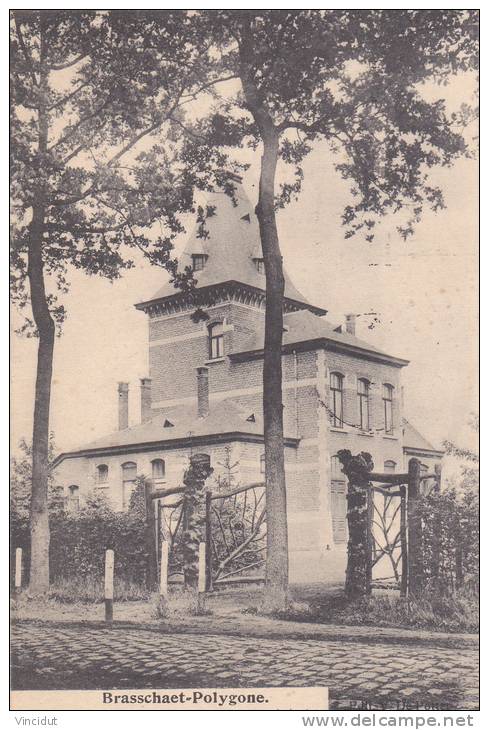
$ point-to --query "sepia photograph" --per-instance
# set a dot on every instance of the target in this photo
(244, 450)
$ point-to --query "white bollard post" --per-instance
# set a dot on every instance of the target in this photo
(201, 586)
(18, 569)
(109, 585)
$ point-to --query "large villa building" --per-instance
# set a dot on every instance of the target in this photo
(204, 394)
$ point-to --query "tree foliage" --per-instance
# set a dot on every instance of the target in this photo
(114, 160)
(83, 98)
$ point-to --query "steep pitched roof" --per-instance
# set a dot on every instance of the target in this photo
(414, 441)
(224, 418)
(233, 242)
(304, 327)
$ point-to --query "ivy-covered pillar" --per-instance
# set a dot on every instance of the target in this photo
(194, 515)
(357, 469)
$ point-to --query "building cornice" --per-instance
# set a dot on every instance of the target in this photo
(327, 344)
(413, 451)
(168, 444)
(214, 293)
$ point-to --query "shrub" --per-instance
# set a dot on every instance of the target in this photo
(90, 589)
(450, 545)
(447, 610)
(79, 541)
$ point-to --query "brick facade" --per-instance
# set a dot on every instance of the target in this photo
(178, 346)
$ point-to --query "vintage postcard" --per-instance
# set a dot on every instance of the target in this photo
(244, 456)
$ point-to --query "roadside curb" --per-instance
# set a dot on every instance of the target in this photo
(282, 631)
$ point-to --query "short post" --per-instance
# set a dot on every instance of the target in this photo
(163, 599)
(18, 569)
(109, 585)
(202, 578)
(415, 529)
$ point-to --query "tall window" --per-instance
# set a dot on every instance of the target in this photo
(73, 502)
(260, 266)
(158, 469)
(102, 473)
(388, 396)
(216, 341)
(338, 501)
(389, 467)
(129, 473)
(363, 404)
(336, 390)
(262, 464)
(198, 261)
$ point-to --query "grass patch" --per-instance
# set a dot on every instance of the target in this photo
(91, 590)
(449, 611)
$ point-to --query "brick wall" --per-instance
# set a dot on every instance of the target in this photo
(178, 346)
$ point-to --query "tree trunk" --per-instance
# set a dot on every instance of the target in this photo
(39, 518)
(277, 570)
(277, 573)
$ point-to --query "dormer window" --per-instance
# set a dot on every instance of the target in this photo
(198, 261)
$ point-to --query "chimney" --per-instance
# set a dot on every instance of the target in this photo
(203, 392)
(145, 400)
(123, 405)
(350, 323)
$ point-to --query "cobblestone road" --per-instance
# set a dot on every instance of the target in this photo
(385, 676)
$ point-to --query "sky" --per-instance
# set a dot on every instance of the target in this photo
(423, 291)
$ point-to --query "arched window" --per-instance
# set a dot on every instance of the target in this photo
(102, 473)
(158, 469)
(389, 466)
(388, 397)
(336, 391)
(73, 502)
(129, 473)
(216, 340)
(262, 464)
(338, 501)
(363, 389)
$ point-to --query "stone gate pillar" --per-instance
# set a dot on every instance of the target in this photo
(357, 469)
